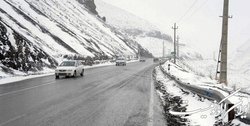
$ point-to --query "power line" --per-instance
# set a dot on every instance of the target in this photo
(197, 9)
(180, 19)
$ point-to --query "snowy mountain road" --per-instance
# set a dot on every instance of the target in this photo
(105, 96)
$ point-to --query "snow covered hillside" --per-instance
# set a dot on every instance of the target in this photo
(207, 68)
(238, 67)
(241, 59)
(121, 18)
(149, 36)
(34, 33)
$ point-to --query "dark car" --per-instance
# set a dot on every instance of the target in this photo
(142, 60)
(156, 59)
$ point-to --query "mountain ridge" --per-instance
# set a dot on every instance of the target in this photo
(142, 31)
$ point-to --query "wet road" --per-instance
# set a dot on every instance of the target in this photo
(105, 96)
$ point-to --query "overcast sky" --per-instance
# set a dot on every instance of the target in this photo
(199, 25)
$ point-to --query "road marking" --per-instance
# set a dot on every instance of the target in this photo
(151, 104)
(13, 119)
(17, 91)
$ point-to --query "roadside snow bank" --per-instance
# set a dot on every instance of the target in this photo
(6, 78)
(188, 76)
(192, 78)
(188, 100)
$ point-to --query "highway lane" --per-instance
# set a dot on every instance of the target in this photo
(105, 96)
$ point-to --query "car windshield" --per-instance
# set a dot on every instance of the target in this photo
(68, 63)
(120, 58)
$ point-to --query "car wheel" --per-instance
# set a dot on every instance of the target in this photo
(82, 73)
(74, 75)
(57, 77)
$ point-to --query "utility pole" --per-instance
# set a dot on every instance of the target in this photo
(175, 28)
(224, 44)
(139, 52)
(178, 46)
(214, 56)
(163, 49)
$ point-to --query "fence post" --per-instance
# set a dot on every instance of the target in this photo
(231, 114)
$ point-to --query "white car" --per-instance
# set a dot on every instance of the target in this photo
(120, 61)
(70, 68)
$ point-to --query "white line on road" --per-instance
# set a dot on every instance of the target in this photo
(14, 92)
(151, 104)
(13, 119)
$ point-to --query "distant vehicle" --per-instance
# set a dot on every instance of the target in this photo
(97, 62)
(156, 59)
(120, 61)
(70, 68)
(142, 60)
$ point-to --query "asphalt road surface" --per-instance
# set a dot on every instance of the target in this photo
(105, 96)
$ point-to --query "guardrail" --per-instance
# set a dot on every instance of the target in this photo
(202, 92)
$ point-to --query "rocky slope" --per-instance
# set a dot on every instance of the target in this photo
(241, 59)
(35, 34)
(18, 53)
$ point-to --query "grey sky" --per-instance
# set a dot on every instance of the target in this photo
(201, 26)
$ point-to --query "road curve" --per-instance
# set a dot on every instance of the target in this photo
(105, 96)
